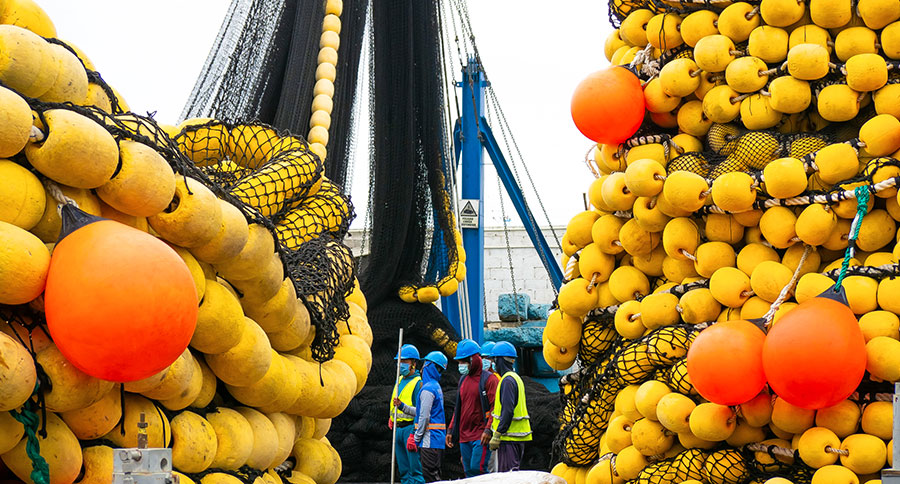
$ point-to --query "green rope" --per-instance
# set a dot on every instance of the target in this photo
(40, 472)
(862, 207)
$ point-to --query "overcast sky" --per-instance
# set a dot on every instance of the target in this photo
(534, 53)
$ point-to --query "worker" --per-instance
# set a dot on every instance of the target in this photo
(474, 403)
(406, 390)
(430, 433)
(487, 361)
(510, 426)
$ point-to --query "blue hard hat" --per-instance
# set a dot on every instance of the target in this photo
(504, 348)
(437, 358)
(466, 348)
(487, 349)
(409, 352)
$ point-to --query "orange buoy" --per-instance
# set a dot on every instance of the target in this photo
(815, 356)
(608, 106)
(120, 304)
(725, 362)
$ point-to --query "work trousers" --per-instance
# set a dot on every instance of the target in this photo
(475, 458)
(431, 463)
(509, 456)
(407, 462)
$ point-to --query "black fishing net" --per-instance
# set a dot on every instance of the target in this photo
(598, 336)
(731, 147)
(266, 174)
(263, 66)
(408, 188)
(590, 401)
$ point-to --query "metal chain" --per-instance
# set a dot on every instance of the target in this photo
(512, 274)
(544, 258)
(504, 126)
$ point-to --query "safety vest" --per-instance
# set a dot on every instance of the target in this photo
(406, 396)
(520, 427)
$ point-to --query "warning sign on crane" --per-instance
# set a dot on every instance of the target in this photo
(468, 215)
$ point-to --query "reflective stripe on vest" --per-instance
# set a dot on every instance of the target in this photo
(520, 427)
(433, 426)
(406, 396)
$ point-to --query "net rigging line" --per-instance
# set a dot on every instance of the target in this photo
(460, 21)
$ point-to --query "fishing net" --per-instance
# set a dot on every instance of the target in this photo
(733, 148)
(590, 398)
(266, 174)
(263, 66)
(597, 339)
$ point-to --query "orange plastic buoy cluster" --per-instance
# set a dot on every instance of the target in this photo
(608, 106)
(725, 362)
(120, 304)
(815, 356)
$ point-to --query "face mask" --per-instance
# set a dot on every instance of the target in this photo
(486, 364)
(463, 368)
(404, 368)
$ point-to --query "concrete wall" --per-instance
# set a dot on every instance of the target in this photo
(530, 275)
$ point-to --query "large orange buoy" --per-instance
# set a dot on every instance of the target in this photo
(725, 362)
(120, 304)
(608, 106)
(815, 356)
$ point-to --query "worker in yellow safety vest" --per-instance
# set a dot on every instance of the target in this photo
(510, 427)
(406, 390)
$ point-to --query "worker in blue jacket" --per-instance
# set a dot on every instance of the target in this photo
(406, 391)
(431, 427)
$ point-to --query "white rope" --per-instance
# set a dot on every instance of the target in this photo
(783, 295)
(57, 194)
(36, 135)
(644, 60)
(849, 194)
(771, 449)
(592, 163)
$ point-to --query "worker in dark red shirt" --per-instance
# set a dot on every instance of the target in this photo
(474, 404)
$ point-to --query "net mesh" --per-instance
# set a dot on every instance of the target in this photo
(263, 66)
(589, 404)
(264, 173)
(731, 148)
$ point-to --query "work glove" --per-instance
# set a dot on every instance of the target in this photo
(495, 441)
(411, 444)
(391, 424)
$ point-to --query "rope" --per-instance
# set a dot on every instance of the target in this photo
(783, 295)
(862, 207)
(40, 470)
(826, 198)
(36, 135)
(832, 450)
(57, 194)
(678, 290)
(772, 450)
(591, 163)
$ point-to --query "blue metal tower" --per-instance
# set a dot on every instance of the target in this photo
(471, 137)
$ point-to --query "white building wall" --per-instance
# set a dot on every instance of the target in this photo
(530, 275)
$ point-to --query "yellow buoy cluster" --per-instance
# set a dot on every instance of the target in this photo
(247, 393)
(736, 202)
(785, 64)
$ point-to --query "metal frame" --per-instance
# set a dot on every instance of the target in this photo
(471, 137)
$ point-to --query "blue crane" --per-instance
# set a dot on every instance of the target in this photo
(472, 136)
